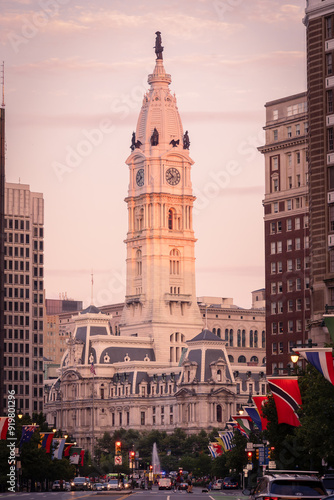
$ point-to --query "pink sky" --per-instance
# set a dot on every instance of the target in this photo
(75, 75)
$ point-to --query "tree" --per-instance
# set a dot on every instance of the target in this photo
(316, 434)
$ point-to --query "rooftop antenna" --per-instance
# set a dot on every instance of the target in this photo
(91, 300)
(3, 83)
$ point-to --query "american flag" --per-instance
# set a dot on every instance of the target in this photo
(92, 369)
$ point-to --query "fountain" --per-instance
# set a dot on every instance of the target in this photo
(155, 460)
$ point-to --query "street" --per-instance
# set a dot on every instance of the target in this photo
(140, 494)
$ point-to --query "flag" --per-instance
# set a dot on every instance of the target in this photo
(287, 399)
(254, 415)
(59, 445)
(212, 451)
(226, 437)
(321, 359)
(3, 427)
(75, 455)
(46, 441)
(244, 423)
(260, 401)
(82, 455)
(27, 432)
(67, 449)
(92, 369)
(217, 448)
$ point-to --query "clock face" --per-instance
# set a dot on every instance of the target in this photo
(173, 176)
(140, 177)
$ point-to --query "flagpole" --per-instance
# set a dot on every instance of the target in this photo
(93, 430)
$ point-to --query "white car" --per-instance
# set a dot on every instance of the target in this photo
(218, 485)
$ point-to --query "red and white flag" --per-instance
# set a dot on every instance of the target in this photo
(92, 369)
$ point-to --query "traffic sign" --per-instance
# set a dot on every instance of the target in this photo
(250, 446)
(118, 460)
(272, 464)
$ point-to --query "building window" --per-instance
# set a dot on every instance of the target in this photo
(142, 418)
(275, 114)
(273, 308)
(272, 227)
(274, 348)
(275, 184)
(328, 21)
(298, 157)
(299, 304)
(329, 64)
(290, 182)
(297, 243)
(279, 247)
(280, 287)
(289, 132)
(274, 162)
(289, 159)
(273, 331)
(279, 267)
(289, 204)
(275, 208)
(330, 139)
(289, 245)
(297, 129)
(138, 263)
(273, 289)
(290, 326)
(275, 135)
(289, 225)
(272, 248)
(273, 268)
(289, 265)
(174, 262)
(329, 101)
(290, 306)
(280, 327)
(219, 413)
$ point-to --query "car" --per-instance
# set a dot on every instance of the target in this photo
(328, 480)
(112, 484)
(79, 483)
(230, 483)
(165, 483)
(67, 486)
(218, 484)
(97, 486)
(183, 486)
(292, 485)
(58, 485)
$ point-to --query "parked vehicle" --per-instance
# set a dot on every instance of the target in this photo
(328, 480)
(218, 484)
(230, 483)
(291, 485)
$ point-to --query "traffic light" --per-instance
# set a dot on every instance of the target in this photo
(151, 467)
(118, 448)
(272, 452)
(250, 456)
(132, 455)
(257, 452)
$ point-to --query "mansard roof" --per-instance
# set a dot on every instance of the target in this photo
(206, 335)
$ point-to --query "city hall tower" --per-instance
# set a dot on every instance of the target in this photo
(160, 300)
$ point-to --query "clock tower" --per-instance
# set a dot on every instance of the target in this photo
(160, 300)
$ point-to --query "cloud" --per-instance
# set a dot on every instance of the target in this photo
(274, 12)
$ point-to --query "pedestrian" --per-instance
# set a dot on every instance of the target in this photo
(189, 481)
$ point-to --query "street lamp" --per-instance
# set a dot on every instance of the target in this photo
(294, 358)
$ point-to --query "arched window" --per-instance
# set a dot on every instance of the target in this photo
(263, 339)
(138, 263)
(239, 338)
(251, 339)
(241, 359)
(171, 218)
(219, 413)
(254, 359)
(231, 337)
(218, 332)
(219, 375)
(226, 334)
(255, 338)
(231, 358)
(214, 331)
(140, 219)
(174, 261)
(243, 338)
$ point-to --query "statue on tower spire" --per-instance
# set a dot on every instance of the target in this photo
(158, 47)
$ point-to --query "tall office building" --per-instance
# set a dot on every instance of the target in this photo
(319, 21)
(286, 216)
(24, 297)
